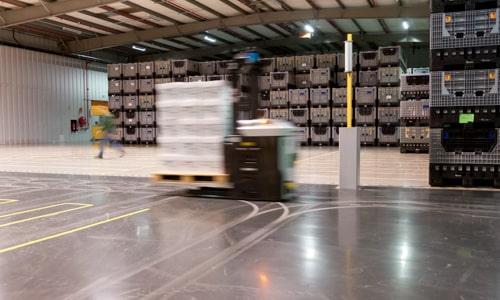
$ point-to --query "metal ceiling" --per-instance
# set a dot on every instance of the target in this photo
(207, 29)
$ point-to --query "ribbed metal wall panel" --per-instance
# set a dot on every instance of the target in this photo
(40, 93)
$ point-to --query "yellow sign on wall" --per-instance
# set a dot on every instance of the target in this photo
(98, 108)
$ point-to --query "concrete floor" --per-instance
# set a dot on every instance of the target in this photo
(315, 165)
(74, 227)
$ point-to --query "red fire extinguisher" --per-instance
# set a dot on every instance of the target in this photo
(82, 120)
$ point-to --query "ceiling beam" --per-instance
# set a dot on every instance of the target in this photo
(420, 11)
(51, 9)
(327, 39)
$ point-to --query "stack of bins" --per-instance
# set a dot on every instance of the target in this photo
(146, 105)
(183, 68)
(465, 95)
(339, 111)
(340, 75)
(339, 93)
(268, 65)
(193, 119)
(130, 103)
(300, 111)
(365, 97)
(115, 97)
(321, 96)
(208, 68)
(303, 66)
(278, 84)
(322, 80)
(391, 66)
(298, 97)
(414, 113)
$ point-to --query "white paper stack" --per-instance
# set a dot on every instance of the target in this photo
(193, 119)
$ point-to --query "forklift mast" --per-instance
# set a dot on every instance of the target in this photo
(245, 72)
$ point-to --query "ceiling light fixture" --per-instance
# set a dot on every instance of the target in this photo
(406, 25)
(135, 47)
(308, 28)
(212, 40)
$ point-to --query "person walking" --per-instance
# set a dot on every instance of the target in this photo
(108, 128)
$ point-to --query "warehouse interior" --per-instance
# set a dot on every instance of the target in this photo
(77, 227)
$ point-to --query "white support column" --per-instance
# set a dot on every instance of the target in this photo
(349, 144)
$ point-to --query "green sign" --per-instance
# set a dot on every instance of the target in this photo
(466, 118)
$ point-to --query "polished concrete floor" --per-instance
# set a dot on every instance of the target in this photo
(315, 165)
(74, 227)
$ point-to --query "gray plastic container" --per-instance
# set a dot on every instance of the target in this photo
(146, 69)
(299, 115)
(115, 102)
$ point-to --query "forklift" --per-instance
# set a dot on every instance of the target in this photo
(260, 154)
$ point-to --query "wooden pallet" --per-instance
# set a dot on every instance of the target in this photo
(197, 179)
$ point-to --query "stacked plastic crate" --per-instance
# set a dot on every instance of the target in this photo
(278, 84)
(115, 96)
(146, 105)
(391, 66)
(184, 69)
(131, 103)
(268, 65)
(415, 113)
(206, 69)
(132, 98)
(298, 97)
(340, 75)
(366, 95)
(194, 118)
(339, 93)
(465, 95)
(301, 89)
(321, 96)
(322, 79)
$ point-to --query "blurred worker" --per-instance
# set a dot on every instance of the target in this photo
(109, 130)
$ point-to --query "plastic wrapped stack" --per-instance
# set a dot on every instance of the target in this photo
(193, 119)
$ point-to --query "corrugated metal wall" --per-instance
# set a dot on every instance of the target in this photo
(40, 93)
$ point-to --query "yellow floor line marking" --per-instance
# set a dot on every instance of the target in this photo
(45, 215)
(42, 208)
(50, 237)
(314, 157)
(5, 201)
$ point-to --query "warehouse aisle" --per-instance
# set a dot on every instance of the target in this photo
(315, 165)
(95, 237)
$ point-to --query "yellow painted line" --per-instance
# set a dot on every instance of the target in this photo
(314, 157)
(5, 201)
(50, 237)
(41, 208)
(45, 215)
